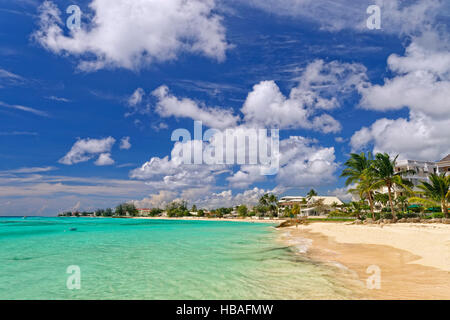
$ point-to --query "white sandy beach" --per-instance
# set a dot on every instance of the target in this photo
(414, 258)
(431, 242)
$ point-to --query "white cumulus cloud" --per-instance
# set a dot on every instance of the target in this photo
(133, 34)
(215, 117)
(418, 138)
(303, 163)
(85, 149)
(104, 159)
(173, 173)
(125, 143)
(421, 81)
(319, 86)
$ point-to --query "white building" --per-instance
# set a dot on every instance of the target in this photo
(291, 200)
(444, 165)
(421, 168)
(306, 205)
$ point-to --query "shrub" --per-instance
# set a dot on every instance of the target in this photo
(387, 216)
(437, 215)
(415, 209)
(338, 213)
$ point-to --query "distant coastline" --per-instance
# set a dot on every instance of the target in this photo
(279, 221)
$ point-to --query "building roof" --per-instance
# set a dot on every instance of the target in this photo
(327, 200)
(447, 158)
(292, 197)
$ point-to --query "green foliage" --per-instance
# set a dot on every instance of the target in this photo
(242, 210)
(177, 209)
(261, 209)
(340, 213)
(220, 212)
(120, 211)
(384, 174)
(124, 209)
(268, 203)
(295, 210)
(382, 198)
(411, 215)
(416, 209)
(201, 213)
(387, 216)
(402, 202)
(438, 215)
(131, 209)
(155, 212)
(287, 212)
(311, 193)
(435, 193)
(108, 212)
(358, 170)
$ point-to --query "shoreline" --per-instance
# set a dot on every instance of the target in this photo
(411, 266)
(271, 221)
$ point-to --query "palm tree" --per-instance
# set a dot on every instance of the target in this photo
(402, 201)
(382, 198)
(273, 203)
(334, 205)
(383, 169)
(311, 193)
(437, 192)
(296, 210)
(356, 207)
(358, 170)
(270, 202)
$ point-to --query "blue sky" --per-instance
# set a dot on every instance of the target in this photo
(65, 97)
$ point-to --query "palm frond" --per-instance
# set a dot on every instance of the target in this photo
(427, 202)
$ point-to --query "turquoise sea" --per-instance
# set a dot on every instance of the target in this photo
(155, 259)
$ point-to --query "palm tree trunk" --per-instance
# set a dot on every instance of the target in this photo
(394, 216)
(369, 196)
(444, 208)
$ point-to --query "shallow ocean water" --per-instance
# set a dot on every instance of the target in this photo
(156, 259)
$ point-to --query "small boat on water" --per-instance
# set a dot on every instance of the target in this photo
(73, 229)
